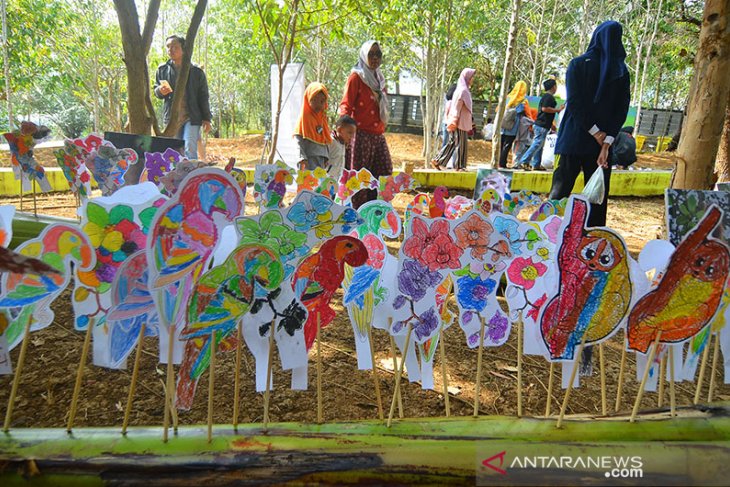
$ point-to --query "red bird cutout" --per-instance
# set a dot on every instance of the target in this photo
(689, 292)
(320, 275)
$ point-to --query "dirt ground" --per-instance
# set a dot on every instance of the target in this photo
(53, 356)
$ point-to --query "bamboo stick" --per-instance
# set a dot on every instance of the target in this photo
(672, 395)
(479, 369)
(237, 374)
(602, 366)
(519, 367)
(621, 370)
(549, 401)
(573, 371)
(715, 354)
(133, 382)
(376, 380)
(395, 368)
(18, 371)
(662, 377)
(703, 365)
(269, 366)
(639, 394)
(79, 376)
(320, 405)
(398, 377)
(169, 399)
(444, 374)
(211, 386)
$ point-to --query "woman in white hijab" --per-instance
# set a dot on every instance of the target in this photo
(366, 101)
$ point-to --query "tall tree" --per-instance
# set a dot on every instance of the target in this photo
(709, 92)
(506, 71)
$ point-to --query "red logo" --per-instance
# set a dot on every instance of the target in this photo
(489, 463)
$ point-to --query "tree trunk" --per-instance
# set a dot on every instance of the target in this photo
(504, 88)
(543, 65)
(658, 88)
(136, 46)
(640, 99)
(6, 65)
(182, 78)
(582, 43)
(722, 166)
(538, 51)
(708, 99)
(639, 57)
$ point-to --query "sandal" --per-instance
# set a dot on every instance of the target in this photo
(435, 165)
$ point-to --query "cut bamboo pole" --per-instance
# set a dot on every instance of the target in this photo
(133, 382)
(549, 401)
(269, 367)
(479, 369)
(703, 365)
(211, 386)
(237, 374)
(519, 367)
(79, 376)
(35, 200)
(602, 366)
(444, 375)
(398, 377)
(715, 354)
(18, 371)
(393, 352)
(672, 395)
(169, 399)
(376, 380)
(573, 371)
(649, 362)
(621, 369)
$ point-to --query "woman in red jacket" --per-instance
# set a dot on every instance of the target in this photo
(366, 101)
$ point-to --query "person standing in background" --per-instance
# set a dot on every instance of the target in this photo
(458, 123)
(366, 101)
(515, 109)
(195, 113)
(546, 111)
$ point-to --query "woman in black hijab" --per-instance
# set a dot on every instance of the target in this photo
(599, 93)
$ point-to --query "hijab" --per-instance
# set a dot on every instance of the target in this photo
(374, 79)
(311, 125)
(606, 47)
(462, 92)
(517, 95)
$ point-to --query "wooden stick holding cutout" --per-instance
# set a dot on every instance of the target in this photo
(320, 406)
(169, 384)
(715, 353)
(573, 371)
(621, 369)
(18, 371)
(211, 386)
(393, 354)
(703, 366)
(548, 403)
(444, 374)
(662, 377)
(79, 376)
(672, 397)
(645, 377)
(602, 366)
(376, 381)
(479, 368)
(269, 366)
(237, 374)
(399, 375)
(520, 326)
(133, 382)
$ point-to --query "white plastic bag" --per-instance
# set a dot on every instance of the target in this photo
(595, 187)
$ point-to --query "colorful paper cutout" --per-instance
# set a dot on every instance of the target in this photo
(25, 167)
(270, 181)
(595, 289)
(72, 161)
(108, 165)
(171, 180)
(689, 292)
(389, 186)
(496, 179)
(317, 181)
(7, 213)
(158, 164)
(352, 181)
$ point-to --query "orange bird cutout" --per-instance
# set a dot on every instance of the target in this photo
(687, 296)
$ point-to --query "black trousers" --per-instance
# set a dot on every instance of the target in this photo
(564, 176)
(505, 145)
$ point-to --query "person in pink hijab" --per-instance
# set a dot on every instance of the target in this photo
(458, 123)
